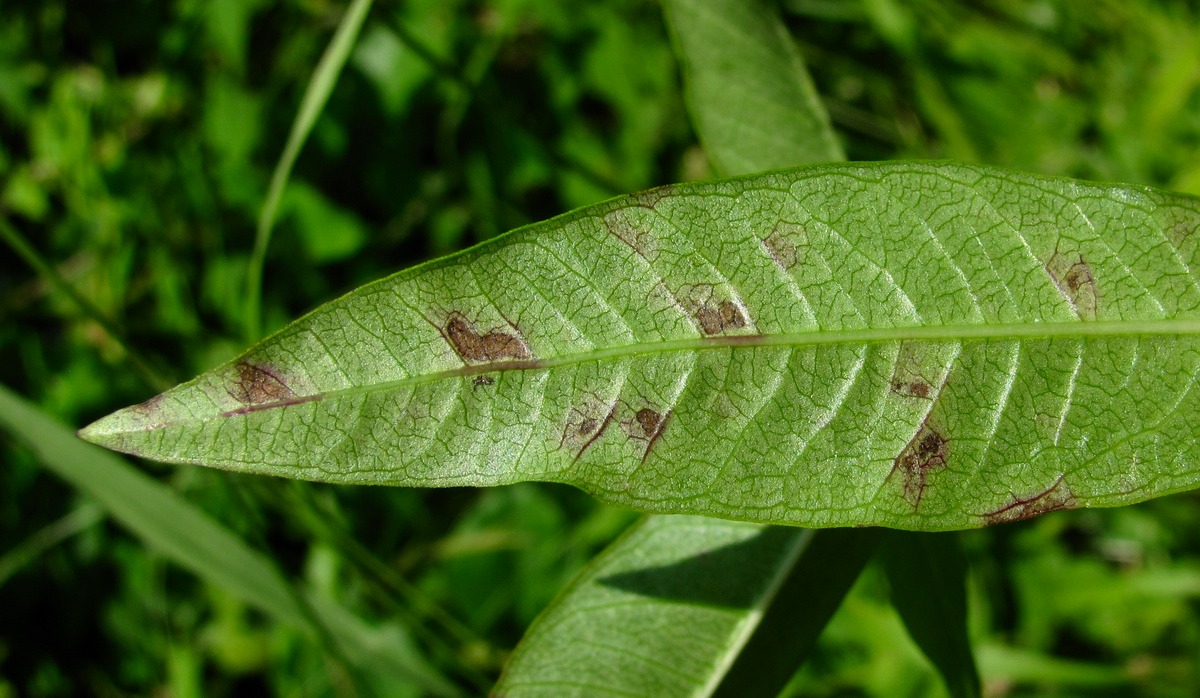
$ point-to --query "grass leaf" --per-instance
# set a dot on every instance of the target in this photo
(315, 96)
(170, 525)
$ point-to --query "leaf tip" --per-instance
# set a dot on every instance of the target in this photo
(114, 430)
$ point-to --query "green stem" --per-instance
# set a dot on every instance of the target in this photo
(315, 97)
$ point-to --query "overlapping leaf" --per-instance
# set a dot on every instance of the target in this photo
(924, 346)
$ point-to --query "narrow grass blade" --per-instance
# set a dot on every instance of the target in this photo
(315, 96)
(170, 525)
(25, 251)
(77, 521)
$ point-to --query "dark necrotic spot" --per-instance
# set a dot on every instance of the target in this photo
(1074, 279)
(480, 348)
(483, 379)
(927, 451)
(257, 384)
(1054, 498)
(915, 373)
(911, 388)
(649, 421)
(648, 425)
(715, 319)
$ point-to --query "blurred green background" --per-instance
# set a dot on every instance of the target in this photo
(137, 140)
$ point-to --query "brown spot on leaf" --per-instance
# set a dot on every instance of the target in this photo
(908, 373)
(1056, 497)
(585, 425)
(649, 420)
(1074, 279)
(927, 451)
(482, 379)
(781, 248)
(647, 425)
(911, 388)
(257, 384)
(719, 318)
(921, 370)
(713, 315)
(472, 346)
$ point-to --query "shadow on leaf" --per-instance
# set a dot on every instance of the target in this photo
(714, 578)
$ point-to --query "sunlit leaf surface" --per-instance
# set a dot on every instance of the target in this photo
(924, 346)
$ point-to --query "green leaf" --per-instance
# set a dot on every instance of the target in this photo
(927, 573)
(751, 99)
(167, 523)
(663, 611)
(798, 586)
(815, 585)
(914, 345)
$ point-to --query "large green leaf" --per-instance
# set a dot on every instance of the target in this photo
(923, 346)
(797, 581)
(685, 594)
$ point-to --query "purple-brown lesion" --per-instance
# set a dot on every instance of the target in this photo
(257, 384)
(475, 346)
(719, 318)
(916, 373)
(647, 425)
(712, 314)
(261, 386)
(1056, 497)
(912, 387)
(927, 451)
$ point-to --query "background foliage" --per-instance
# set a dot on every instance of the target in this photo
(136, 145)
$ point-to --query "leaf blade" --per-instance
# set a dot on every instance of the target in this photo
(190, 538)
(750, 96)
(815, 585)
(681, 594)
(927, 573)
(917, 331)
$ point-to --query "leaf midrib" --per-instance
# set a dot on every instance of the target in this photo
(875, 335)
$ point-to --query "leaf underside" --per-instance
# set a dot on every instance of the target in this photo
(917, 345)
